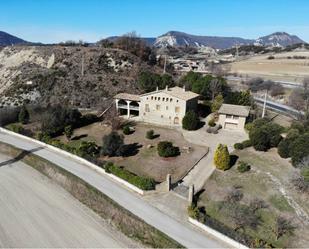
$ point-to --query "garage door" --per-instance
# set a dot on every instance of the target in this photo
(230, 126)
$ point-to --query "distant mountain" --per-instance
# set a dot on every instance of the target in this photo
(175, 38)
(7, 39)
(279, 39)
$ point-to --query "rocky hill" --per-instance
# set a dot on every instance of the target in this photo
(78, 76)
(279, 39)
(175, 38)
(7, 39)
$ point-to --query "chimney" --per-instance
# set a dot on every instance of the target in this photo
(184, 88)
(166, 88)
(157, 89)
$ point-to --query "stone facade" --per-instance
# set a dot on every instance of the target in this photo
(163, 107)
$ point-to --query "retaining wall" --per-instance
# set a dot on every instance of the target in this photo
(217, 234)
(76, 158)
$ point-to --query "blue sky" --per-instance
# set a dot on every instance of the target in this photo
(90, 20)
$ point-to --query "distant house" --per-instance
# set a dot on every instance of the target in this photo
(166, 107)
(233, 116)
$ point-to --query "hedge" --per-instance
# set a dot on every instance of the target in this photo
(143, 183)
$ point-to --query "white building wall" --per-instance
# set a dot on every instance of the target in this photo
(162, 109)
(241, 121)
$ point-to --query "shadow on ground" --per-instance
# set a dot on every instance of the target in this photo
(20, 156)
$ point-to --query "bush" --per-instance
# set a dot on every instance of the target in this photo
(112, 144)
(166, 149)
(299, 149)
(138, 181)
(190, 121)
(265, 135)
(271, 57)
(222, 157)
(217, 103)
(8, 115)
(68, 131)
(86, 149)
(193, 211)
(238, 146)
(284, 148)
(246, 143)
(212, 122)
(243, 167)
(126, 130)
(248, 127)
(16, 128)
(150, 134)
(23, 116)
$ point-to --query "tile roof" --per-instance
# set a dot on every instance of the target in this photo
(127, 96)
(177, 92)
(238, 110)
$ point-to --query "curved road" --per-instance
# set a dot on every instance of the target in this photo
(185, 234)
(35, 213)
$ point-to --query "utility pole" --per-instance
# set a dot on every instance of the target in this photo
(164, 68)
(237, 52)
(83, 58)
(264, 106)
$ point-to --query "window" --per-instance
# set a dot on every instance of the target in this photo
(166, 108)
(151, 97)
(169, 117)
(177, 100)
(171, 99)
(177, 109)
(228, 116)
(166, 99)
(235, 117)
(158, 107)
(161, 116)
(155, 98)
(158, 98)
(147, 108)
(163, 99)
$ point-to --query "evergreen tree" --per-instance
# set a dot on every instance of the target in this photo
(222, 157)
(68, 131)
(23, 116)
(216, 104)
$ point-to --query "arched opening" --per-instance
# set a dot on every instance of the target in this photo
(176, 120)
(122, 107)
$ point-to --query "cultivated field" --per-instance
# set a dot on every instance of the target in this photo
(268, 180)
(280, 68)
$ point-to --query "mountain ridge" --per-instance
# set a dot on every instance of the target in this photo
(7, 39)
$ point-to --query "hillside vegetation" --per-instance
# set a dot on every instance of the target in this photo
(74, 75)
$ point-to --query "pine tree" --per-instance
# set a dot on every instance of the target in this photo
(23, 116)
(222, 157)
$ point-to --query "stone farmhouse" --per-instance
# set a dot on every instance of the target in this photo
(163, 107)
(233, 116)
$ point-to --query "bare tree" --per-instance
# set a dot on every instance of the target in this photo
(214, 87)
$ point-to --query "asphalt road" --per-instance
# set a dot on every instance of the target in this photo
(185, 234)
(35, 213)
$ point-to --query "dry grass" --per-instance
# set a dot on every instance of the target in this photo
(280, 68)
(268, 174)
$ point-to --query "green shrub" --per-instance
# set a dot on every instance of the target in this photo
(193, 211)
(239, 146)
(166, 149)
(16, 128)
(68, 131)
(212, 122)
(88, 149)
(112, 144)
(23, 116)
(150, 134)
(222, 157)
(248, 127)
(138, 181)
(265, 135)
(299, 149)
(126, 130)
(284, 148)
(190, 121)
(243, 167)
(246, 143)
